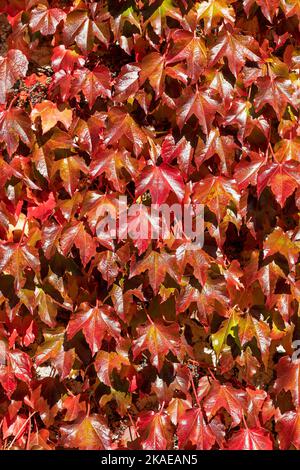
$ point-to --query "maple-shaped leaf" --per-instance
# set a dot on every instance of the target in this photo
(158, 19)
(198, 259)
(153, 69)
(96, 323)
(88, 131)
(193, 428)
(158, 265)
(197, 103)
(190, 48)
(212, 297)
(127, 82)
(158, 339)
(46, 20)
(160, 180)
(86, 433)
(288, 428)
(177, 408)
(250, 439)
(66, 59)
(50, 115)
(181, 151)
(74, 407)
(108, 362)
(19, 363)
(15, 125)
(216, 144)
(52, 349)
(113, 162)
(92, 83)
(227, 397)
(121, 124)
(212, 11)
(288, 378)
(15, 258)
(77, 235)
(287, 149)
(268, 7)
(108, 265)
(69, 169)
(46, 307)
(237, 48)
(283, 179)
(240, 114)
(250, 327)
(277, 92)
(268, 276)
(246, 172)
(83, 30)
(140, 227)
(216, 192)
(228, 328)
(280, 242)
(12, 67)
(155, 430)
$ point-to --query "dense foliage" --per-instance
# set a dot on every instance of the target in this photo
(142, 343)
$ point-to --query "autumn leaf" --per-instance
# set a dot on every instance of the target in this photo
(95, 323)
(159, 339)
(199, 104)
(12, 67)
(86, 433)
(15, 126)
(250, 439)
(50, 115)
(193, 428)
(46, 20)
(160, 180)
(155, 430)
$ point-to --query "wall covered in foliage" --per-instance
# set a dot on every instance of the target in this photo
(139, 343)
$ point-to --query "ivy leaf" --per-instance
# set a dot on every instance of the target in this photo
(228, 328)
(86, 433)
(159, 339)
(236, 48)
(250, 327)
(288, 378)
(12, 67)
(95, 323)
(50, 115)
(155, 430)
(279, 242)
(276, 92)
(250, 439)
(93, 84)
(82, 30)
(200, 104)
(121, 124)
(52, 349)
(212, 11)
(283, 178)
(160, 180)
(227, 397)
(191, 49)
(193, 428)
(15, 125)
(288, 427)
(157, 264)
(15, 258)
(153, 69)
(46, 20)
